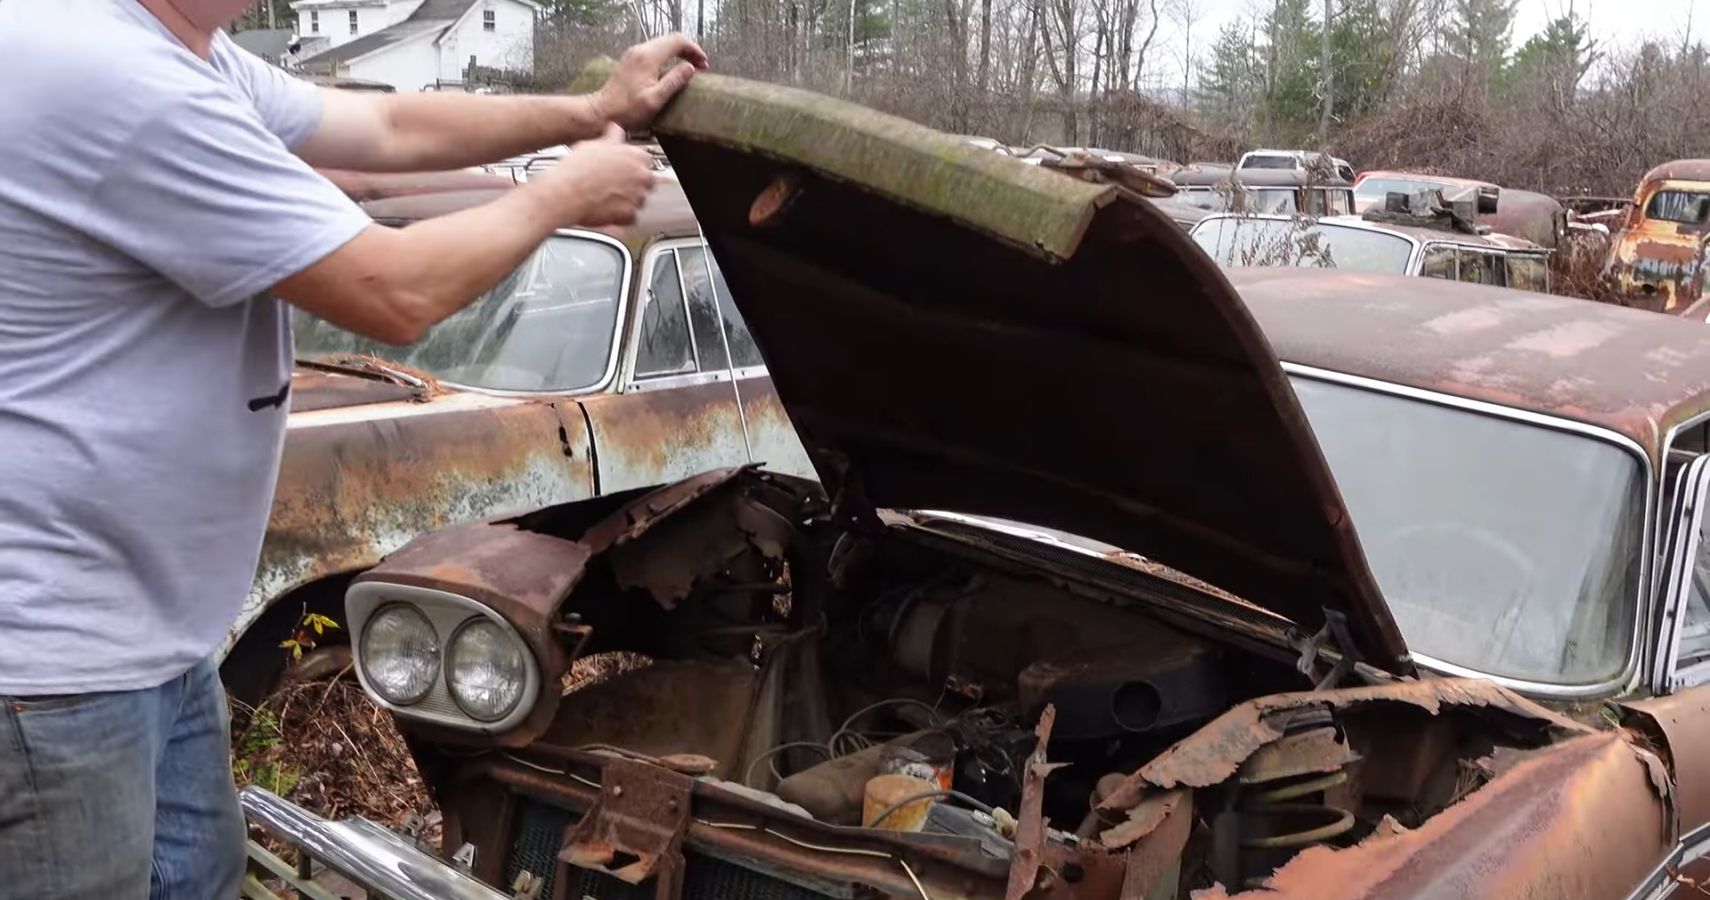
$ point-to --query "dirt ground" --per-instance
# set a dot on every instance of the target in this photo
(324, 745)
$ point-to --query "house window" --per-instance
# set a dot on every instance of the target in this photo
(353, 21)
(489, 20)
(314, 22)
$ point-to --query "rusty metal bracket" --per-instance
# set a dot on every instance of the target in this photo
(1334, 635)
(634, 831)
(1030, 821)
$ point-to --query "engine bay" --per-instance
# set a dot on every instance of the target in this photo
(898, 709)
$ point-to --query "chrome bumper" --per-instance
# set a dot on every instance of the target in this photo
(373, 857)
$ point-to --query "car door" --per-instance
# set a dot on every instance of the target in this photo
(681, 408)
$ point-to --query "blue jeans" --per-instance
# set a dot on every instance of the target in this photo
(120, 795)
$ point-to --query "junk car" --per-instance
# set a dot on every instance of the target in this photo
(1423, 247)
(610, 360)
(1656, 261)
(1096, 598)
(1538, 218)
(1262, 191)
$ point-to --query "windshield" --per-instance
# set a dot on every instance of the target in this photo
(1234, 241)
(1501, 547)
(1683, 207)
(549, 326)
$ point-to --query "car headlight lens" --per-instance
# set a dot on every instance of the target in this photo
(400, 654)
(486, 669)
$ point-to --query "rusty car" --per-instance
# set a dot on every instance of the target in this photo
(1266, 191)
(1425, 247)
(1125, 576)
(1539, 218)
(598, 366)
(1656, 260)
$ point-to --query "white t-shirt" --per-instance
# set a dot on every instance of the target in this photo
(147, 197)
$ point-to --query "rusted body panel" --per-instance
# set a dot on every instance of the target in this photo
(1580, 819)
(658, 437)
(1626, 370)
(1679, 727)
(1658, 264)
(357, 483)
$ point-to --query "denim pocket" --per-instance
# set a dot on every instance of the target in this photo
(51, 702)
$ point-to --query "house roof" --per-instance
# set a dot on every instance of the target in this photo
(267, 43)
(386, 37)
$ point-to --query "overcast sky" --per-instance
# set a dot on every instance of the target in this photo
(1614, 22)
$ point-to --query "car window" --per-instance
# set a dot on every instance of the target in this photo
(743, 350)
(681, 321)
(549, 326)
(1528, 273)
(1695, 626)
(1204, 198)
(1479, 267)
(1272, 201)
(1685, 207)
(1237, 241)
(664, 346)
(1341, 203)
(1267, 161)
(1315, 203)
(1440, 263)
(1501, 546)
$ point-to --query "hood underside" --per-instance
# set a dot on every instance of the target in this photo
(952, 329)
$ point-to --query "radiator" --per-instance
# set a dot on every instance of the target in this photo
(539, 830)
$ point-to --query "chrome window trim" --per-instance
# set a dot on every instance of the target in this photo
(366, 598)
(631, 384)
(625, 282)
(650, 261)
(1633, 670)
(1683, 546)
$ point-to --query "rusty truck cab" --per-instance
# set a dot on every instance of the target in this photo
(1657, 258)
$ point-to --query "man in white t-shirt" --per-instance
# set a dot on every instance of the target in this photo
(157, 209)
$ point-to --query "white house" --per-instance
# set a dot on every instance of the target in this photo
(411, 44)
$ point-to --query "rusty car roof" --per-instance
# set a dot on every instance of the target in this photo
(1630, 371)
(1678, 170)
(666, 213)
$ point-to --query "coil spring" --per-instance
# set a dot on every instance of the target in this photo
(1272, 802)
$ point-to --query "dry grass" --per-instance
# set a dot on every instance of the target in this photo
(326, 747)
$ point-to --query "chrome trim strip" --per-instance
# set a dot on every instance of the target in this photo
(376, 859)
(625, 284)
(1632, 671)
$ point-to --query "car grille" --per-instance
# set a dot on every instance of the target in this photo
(540, 835)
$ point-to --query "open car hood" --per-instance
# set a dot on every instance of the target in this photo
(952, 329)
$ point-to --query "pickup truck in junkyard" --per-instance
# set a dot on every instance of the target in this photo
(1095, 598)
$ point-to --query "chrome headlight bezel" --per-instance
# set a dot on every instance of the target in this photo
(448, 613)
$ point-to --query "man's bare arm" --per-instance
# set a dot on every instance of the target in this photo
(392, 284)
(442, 130)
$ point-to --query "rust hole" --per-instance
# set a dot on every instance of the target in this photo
(770, 206)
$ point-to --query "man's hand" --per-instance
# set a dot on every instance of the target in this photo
(599, 182)
(637, 90)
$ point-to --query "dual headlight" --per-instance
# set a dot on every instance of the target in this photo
(416, 656)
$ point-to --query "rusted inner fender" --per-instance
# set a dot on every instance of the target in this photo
(1579, 819)
(1214, 753)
